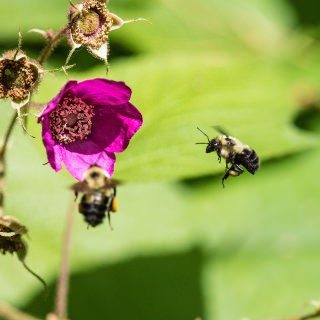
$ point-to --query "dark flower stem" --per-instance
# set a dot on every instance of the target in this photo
(52, 43)
(2, 161)
(63, 281)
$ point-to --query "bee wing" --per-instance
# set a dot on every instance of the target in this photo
(220, 130)
(80, 187)
(112, 183)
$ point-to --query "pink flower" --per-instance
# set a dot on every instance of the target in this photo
(86, 123)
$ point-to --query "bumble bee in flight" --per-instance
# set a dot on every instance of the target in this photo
(235, 152)
(99, 195)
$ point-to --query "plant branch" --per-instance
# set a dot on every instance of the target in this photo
(11, 313)
(313, 315)
(2, 161)
(63, 281)
(52, 43)
(7, 136)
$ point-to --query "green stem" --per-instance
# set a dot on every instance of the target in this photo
(2, 161)
(63, 281)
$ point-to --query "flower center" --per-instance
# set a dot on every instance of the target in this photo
(71, 120)
(89, 23)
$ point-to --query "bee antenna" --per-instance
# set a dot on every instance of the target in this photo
(203, 134)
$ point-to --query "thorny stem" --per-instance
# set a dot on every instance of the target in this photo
(11, 313)
(45, 54)
(52, 43)
(2, 161)
(63, 281)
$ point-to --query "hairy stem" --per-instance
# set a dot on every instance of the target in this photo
(10, 313)
(63, 281)
(52, 43)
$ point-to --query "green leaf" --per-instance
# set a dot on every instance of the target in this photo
(249, 98)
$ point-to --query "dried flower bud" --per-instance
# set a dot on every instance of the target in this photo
(19, 76)
(89, 25)
(10, 235)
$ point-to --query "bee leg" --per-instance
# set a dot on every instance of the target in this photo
(219, 154)
(109, 220)
(75, 195)
(114, 192)
(234, 171)
(226, 175)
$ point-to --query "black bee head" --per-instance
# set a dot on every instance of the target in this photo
(212, 146)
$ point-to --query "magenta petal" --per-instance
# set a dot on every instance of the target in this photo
(77, 164)
(53, 149)
(115, 120)
(102, 92)
(114, 127)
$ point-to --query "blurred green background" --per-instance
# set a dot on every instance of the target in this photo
(182, 247)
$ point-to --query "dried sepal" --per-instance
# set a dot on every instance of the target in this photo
(117, 22)
(100, 53)
(41, 32)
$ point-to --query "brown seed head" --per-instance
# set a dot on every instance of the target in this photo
(19, 75)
